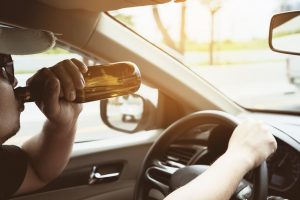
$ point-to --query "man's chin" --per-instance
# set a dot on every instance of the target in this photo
(10, 134)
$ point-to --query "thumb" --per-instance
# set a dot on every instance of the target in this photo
(51, 97)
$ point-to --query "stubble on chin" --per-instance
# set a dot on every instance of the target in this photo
(11, 133)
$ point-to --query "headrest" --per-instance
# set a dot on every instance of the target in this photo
(19, 41)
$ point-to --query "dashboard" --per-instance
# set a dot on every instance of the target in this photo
(204, 144)
(284, 168)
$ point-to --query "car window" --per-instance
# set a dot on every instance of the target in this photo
(226, 43)
(90, 125)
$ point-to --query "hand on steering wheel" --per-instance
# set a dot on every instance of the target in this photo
(238, 143)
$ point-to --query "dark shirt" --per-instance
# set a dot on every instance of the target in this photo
(13, 166)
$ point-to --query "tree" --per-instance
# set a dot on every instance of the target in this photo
(125, 19)
(288, 5)
(214, 6)
(165, 34)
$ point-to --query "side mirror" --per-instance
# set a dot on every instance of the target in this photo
(128, 113)
(284, 34)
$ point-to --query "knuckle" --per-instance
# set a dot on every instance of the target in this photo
(28, 82)
(272, 142)
(260, 125)
(66, 62)
(81, 66)
(76, 60)
(59, 66)
(264, 128)
(71, 66)
(57, 70)
(62, 64)
(43, 70)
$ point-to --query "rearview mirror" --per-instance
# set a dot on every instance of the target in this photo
(123, 113)
(284, 34)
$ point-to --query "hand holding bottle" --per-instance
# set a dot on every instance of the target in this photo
(99, 82)
(49, 84)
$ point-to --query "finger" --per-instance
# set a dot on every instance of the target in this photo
(50, 98)
(37, 83)
(81, 66)
(75, 74)
(39, 76)
(28, 81)
(66, 82)
(273, 143)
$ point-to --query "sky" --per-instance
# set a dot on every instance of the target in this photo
(238, 20)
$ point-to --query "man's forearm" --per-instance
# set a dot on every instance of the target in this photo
(49, 151)
(218, 182)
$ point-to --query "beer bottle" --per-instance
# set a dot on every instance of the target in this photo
(101, 82)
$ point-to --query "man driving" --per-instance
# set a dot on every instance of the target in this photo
(43, 157)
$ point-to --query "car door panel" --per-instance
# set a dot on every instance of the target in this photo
(124, 156)
(120, 190)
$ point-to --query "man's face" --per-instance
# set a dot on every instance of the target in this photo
(10, 108)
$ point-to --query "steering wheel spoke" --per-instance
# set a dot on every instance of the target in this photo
(244, 190)
(159, 175)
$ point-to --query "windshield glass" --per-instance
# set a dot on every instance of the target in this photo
(226, 43)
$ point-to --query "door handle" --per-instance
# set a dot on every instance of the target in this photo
(97, 177)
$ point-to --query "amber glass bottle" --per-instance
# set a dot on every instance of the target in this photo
(101, 82)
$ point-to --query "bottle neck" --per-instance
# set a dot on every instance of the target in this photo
(23, 94)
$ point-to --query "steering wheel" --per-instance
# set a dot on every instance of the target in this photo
(153, 168)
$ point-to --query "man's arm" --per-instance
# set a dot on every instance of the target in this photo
(49, 151)
(250, 144)
(48, 156)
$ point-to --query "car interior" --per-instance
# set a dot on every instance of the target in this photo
(176, 121)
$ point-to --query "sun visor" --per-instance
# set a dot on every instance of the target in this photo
(18, 41)
(101, 5)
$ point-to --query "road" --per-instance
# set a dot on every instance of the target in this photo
(254, 85)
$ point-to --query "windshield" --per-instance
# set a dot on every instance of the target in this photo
(226, 43)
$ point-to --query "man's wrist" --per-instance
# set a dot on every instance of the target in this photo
(243, 159)
(52, 128)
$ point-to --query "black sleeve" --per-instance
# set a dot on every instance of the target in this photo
(13, 167)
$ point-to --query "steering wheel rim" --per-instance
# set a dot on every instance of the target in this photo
(177, 129)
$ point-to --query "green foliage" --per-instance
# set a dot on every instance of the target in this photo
(228, 45)
(226, 63)
(20, 71)
(286, 33)
(56, 50)
(125, 19)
